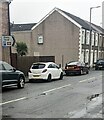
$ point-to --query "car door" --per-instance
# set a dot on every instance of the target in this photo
(2, 74)
(9, 74)
(57, 71)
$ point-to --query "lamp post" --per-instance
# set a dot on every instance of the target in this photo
(91, 34)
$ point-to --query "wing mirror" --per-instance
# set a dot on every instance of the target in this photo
(14, 69)
(59, 65)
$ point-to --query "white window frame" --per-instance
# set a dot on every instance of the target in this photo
(40, 39)
(87, 37)
(83, 36)
(96, 40)
(95, 56)
(92, 38)
(86, 56)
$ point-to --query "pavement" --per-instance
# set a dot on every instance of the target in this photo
(93, 109)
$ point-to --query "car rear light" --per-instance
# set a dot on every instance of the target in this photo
(45, 70)
(66, 67)
(30, 71)
(77, 67)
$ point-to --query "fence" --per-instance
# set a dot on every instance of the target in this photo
(23, 63)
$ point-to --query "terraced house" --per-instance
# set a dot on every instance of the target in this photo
(65, 36)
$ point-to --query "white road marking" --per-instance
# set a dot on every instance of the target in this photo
(45, 92)
(90, 79)
(12, 101)
(87, 79)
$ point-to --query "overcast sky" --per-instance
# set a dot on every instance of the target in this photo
(31, 11)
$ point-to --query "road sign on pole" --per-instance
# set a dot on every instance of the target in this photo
(7, 41)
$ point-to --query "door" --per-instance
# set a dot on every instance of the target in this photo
(9, 74)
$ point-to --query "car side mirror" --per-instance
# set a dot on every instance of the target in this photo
(14, 69)
(59, 65)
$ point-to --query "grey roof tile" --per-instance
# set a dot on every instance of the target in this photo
(21, 27)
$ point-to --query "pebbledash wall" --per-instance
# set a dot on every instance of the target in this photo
(4, 30)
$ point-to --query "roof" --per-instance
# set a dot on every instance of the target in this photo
(78, 20)
(85, 24)
(21, 27)
(74, 19)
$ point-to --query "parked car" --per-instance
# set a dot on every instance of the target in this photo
(10, 76)
(76, 68)
(99, 65)
(45, 71)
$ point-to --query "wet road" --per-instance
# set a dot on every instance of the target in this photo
(65, 98)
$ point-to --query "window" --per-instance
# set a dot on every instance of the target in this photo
(96, 40)
(40, 39)
(1, 67)
(100, 40)
(38, 66)
(92, 38)
(82, 55)
(7, 66)
(51, 66)
(87, 37)
(95, 56)
(86, 56)
(83, 37)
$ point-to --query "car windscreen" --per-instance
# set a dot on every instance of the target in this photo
(1, 67)
(73, 63)
(38, 66)
(101, 61)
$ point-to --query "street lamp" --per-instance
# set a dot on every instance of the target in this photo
(90, 33)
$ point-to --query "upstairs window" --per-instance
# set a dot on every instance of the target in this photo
(83, 37)
(40, 39)
(87, 37)
(92, 38)
(96, 40)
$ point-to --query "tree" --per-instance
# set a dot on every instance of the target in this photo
(21, 48)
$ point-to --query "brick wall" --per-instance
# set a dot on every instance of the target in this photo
(4, 52)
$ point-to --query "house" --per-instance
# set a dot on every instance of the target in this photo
(65, 36)
(22, 33)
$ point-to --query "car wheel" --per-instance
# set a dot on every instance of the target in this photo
(87, 71)
(81, 72)
(96, 68)
(67, 74)
(61, 76)
(49, 78)
(30, 80)
(21, 82)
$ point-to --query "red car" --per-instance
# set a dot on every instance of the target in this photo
(76, 68)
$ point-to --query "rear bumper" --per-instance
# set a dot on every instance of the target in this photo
(37, 77)
(99, 67)
(72, 71)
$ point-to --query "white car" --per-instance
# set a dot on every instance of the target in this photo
(45, 70)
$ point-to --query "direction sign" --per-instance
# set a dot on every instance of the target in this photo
(7, 41)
